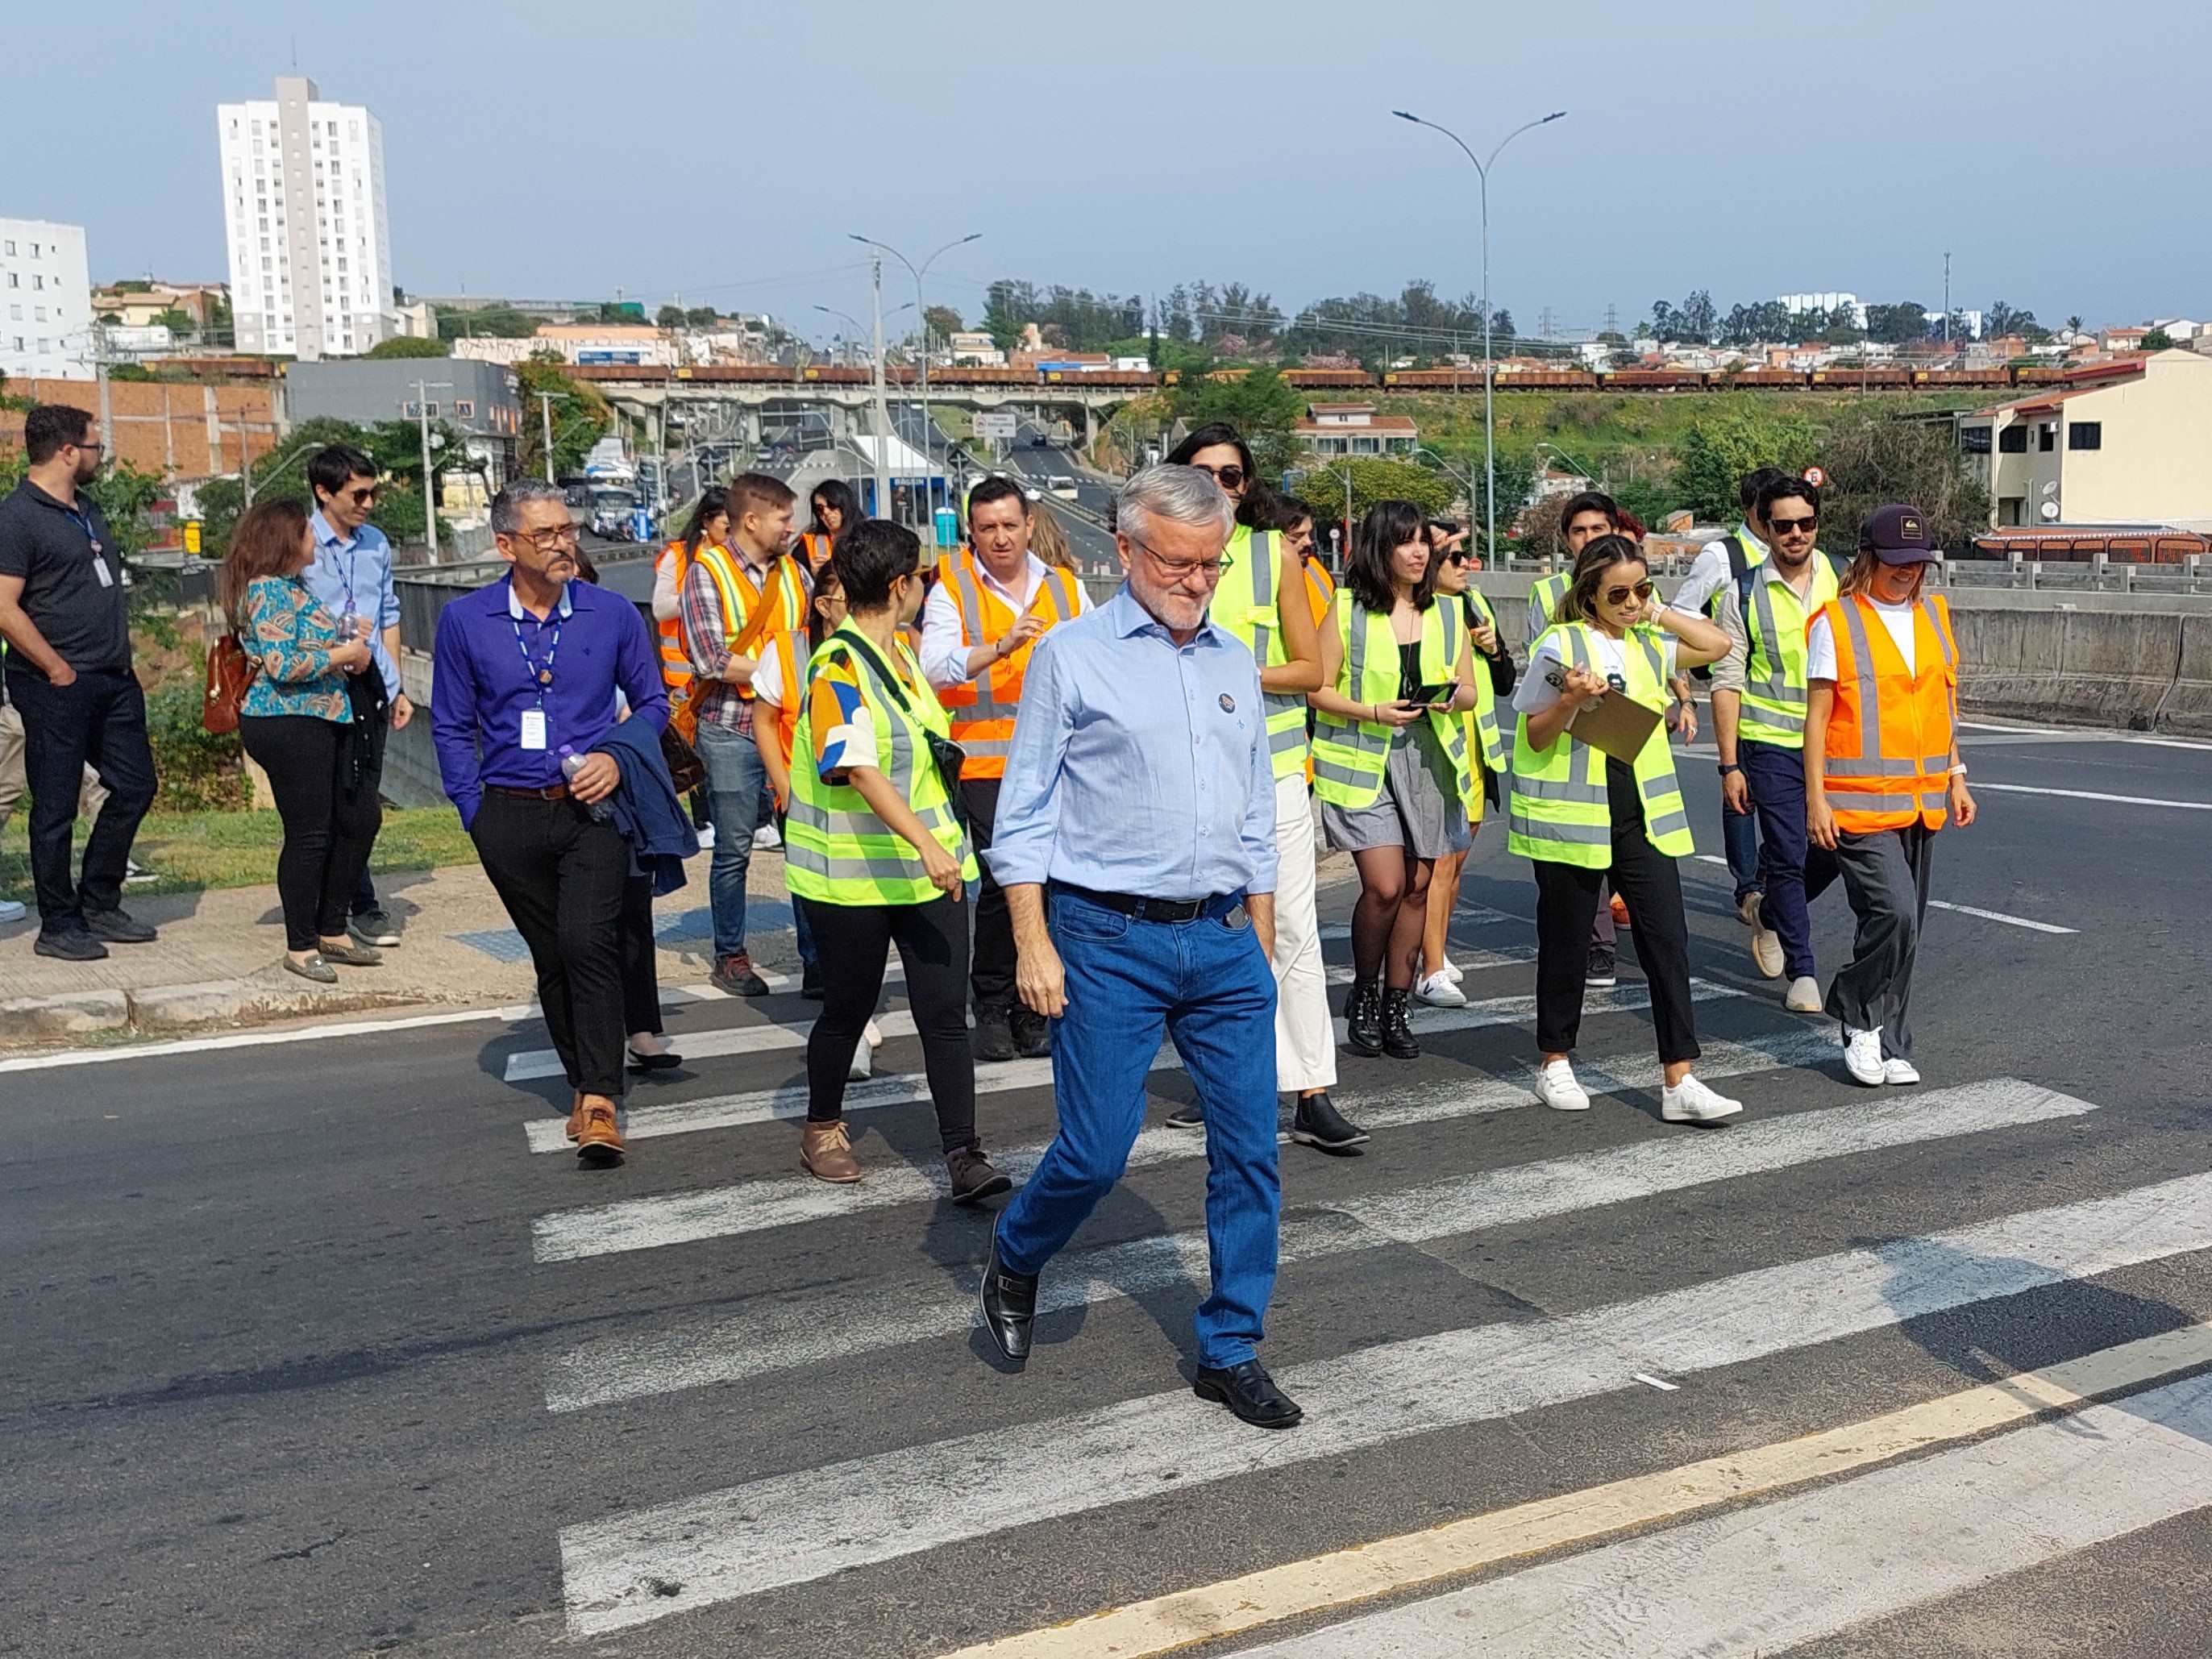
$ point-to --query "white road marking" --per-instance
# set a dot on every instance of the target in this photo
(617, 1571)
(1945, 904)
(2169, 743)
(1651, 1381)
(1473, 962)
(1812, 1565)
(869, 1316)
(646, 1224)
(2092, 794)
(763, 1038)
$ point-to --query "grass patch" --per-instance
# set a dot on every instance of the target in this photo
(192, 851)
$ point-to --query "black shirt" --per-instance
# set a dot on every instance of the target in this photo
(50, 546)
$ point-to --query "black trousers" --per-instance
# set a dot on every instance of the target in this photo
(854, 943)
(1567, 897)
(98, 720)
(330, 819)
(370, 708)
(641, 960)
(563, 875)
(991, 974)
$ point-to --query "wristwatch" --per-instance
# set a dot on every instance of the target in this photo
(1727, 767)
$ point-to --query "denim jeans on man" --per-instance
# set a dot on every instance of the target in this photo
(1739, 842)
(735, 779)
(1792, 871)
(1206, 985)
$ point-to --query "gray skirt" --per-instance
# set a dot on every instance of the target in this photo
(1419, 808)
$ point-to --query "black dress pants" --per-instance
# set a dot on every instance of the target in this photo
(991, 975)
(1567, 897)
(97, 720)
(330, 817)
(641, 959)
(563, 875)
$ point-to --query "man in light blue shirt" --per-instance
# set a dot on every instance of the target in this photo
(1135, 839)
(351, 577)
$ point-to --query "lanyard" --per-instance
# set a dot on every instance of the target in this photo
(541, 672)
(84, 523)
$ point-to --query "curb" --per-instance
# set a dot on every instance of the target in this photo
(168, 1010)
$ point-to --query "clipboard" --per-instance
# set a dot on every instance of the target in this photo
(1615, 723)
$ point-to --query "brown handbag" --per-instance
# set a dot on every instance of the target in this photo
(229, 672)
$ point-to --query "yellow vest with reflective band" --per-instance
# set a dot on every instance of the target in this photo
(1775, 626)
(1560, 809)
(1349, 755)
(735, 587)
(1490, 742)
(1544, 599)
(1247, 605)
(835, 849)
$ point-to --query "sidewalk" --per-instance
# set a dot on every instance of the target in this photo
(217, 962)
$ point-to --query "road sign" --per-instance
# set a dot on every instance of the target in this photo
(1816, 476)
(998, 428)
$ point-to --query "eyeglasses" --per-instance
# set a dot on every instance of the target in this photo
(95, 448)
(1641, 592)
(1786, 527)
(552, 536)
(1176, 569)
(1229, 477)
(364, 497)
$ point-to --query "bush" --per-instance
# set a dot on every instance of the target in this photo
(198, 772)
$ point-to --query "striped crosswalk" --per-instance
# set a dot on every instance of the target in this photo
(1837, 1542)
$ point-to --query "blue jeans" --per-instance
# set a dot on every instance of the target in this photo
(1792, 870)
(1740, 841)
(1205, 984)
(735, 779)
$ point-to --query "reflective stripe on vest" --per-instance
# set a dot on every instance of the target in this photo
(1890, 732)
(1248, 608)
(1561, 808)
(786, 712)
(983, 709)
(1351, 757)
(1544, 599)
(739, 593)
(1773, 709)
(836, 850)
(1490, 741)
(676, 671)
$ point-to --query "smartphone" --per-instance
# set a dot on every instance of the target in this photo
(1432, 696)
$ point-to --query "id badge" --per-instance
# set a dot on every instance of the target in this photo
(534, 728)
(100, 572)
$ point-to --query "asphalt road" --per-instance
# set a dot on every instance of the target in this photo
(309, 1351)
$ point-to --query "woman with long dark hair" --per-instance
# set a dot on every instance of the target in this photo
(1586, 817)
(836, 509)
(1390, 758)
(297, 722)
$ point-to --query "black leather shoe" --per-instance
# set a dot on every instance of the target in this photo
(1187, 1117)
(1032, 1034)
(1009, 1308)
(70, 945)
(1397, 1036)
(118, 928)
(995, 1034)
(1248, 1390)
(1363, 1017)
(1317, 1122)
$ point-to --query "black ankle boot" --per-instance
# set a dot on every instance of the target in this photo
(1397, 1036)
(1363, 1017)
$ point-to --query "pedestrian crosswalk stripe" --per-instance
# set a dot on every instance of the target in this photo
(644, 1223)
(617, 1571)
(751, 1039)
(840, 1323)
(1363, 1572)
(1811, 1566)
(1473, 962)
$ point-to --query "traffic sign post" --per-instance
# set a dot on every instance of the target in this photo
(999, 426)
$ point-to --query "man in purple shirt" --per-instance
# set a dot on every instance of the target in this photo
(525, 675)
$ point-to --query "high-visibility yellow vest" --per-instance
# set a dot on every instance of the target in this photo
(1247, 605)
(835, 849)
(1775, 625)
(1544, 599)
(1560, 808)
(1350, 756)
(1482, 720)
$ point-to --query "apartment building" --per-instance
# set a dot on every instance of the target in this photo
(45, 301)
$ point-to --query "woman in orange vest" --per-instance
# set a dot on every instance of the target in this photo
(1882, 772)
(836, 509)
(709, 527)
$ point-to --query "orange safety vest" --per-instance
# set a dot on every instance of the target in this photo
(983, 710)
(816, 546)
(1890, 733)
(786, 712)
(744, 621)
(676, 672)
(1320, 594)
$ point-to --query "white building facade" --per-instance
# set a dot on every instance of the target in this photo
(45, 301)
(304, 214)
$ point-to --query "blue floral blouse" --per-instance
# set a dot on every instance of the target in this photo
(289, 635)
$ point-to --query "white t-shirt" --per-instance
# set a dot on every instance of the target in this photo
(1534, 693)
(768, 672)
(1820, 642)
(1709, 571)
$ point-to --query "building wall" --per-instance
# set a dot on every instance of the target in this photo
(2155, 461)
(175, 430)
(45, 301)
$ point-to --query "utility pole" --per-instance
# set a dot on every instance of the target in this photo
(1946, 296)
(422, 389)
(882, 412)
(100, 369)
(545, 408)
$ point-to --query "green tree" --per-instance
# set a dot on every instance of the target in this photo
(1372, 479)
(126, 495)
(1897, 323)
(1717, 453)
(179, 323)
(492, 322)
(701, 317)
(1872, 459)
(943, 321)
(582, 416)
(1258, 404)
(406, 345)
(2158, 340)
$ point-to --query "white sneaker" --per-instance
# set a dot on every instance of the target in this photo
(1438, 992)
(1862, 1056)
(10, 910)
(1692, 1102)
(1766, 943)
(1557, 1088)
(874, 1034)
(863, 1067)
(1452, 972)
(765, 838)
(707, 839)
(1803, 996)
(1899, 1071)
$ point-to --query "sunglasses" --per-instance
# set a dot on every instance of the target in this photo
(1786, 526)
(1229, 477)
(1457, 556)
(1641, 592)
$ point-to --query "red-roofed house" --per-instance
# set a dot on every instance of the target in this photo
(1333, 430)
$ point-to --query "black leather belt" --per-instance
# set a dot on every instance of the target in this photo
(1152, 909)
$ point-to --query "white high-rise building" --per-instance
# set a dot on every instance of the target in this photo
(303, 208)
(45, 301)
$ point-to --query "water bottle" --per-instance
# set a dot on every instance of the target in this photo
(571, 764)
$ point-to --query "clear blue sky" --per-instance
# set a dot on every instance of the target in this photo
(559, 148)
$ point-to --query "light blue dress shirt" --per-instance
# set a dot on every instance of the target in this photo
(355, 574)
(1138, 766)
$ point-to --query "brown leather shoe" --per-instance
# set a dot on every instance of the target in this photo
(974, 1180)
(598, 1139)
(576, 1117)
(827, 1154)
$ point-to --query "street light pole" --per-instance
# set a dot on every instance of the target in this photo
(922, 310)
(422, 390)
(1489, 362)
(545, 408)
(883, 408)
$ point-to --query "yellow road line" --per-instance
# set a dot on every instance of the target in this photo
(1365, 1571)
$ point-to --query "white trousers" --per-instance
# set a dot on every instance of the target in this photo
(1305, 1039)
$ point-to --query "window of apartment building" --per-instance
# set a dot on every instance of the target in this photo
(15, 314)
(14, 281)
(38, 314)
(38, 280)
(2012, 440)
(1974, 440)
(10, 247)
(19, 343)
(34, 250)
(465, 408)
(2046, 439)
(2086, 435)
